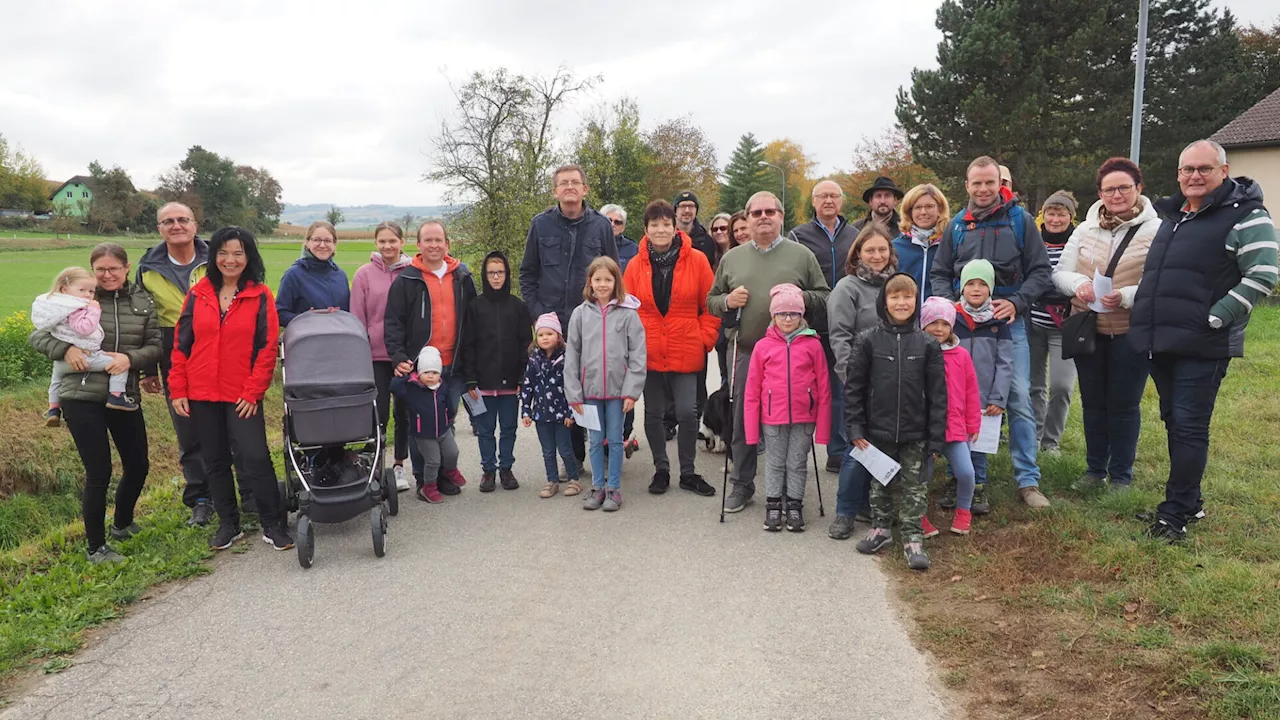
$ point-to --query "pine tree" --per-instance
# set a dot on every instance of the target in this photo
(744, 175)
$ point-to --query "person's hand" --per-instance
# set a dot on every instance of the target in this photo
(151, 384)
(973, 438)
(93, 304)
(119, 363)
(1005, 310)
(577, 407)
(628, 405)
(1085, 292)
(527, 421)
(246, 409)
(737, 298)
(75, 358)
(1111, 300)
(861, 443)
(404, 368)
(474, 393)
(993, 410)
(181, 407)
(568, 422)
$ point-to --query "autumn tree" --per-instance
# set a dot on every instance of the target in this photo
(796, 168)
(888, 154)
(22, 185)
(1262, 54)
(264, 199)
(683, 159)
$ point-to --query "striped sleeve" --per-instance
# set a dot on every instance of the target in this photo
(1253, 242)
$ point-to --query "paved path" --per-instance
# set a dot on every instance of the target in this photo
(505, 605)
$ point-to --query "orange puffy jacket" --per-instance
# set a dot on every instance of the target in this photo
(680, 340)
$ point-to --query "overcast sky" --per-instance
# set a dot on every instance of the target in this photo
(339, 100)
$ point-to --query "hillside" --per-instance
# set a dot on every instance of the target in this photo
(358, 216)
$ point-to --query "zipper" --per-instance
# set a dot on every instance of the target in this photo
(897, 431)
(604, 343)
(790, 415)
(769, 404)
(115, 311)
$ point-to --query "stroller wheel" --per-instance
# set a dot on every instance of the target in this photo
(378, 523)
(389, 492)
(306, 542)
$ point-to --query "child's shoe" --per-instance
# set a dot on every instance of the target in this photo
(948, 499)
(508, 480)
(455, 475)
(916, 557)
(630, 446)
(979, 505)
(960, 523)
(773, 514)
(53, 418)
(430, 492)
(120, 402)
(549, 489)
(795, 515)
(594, 500)
(929, 529)
(612, 500)
(488, 482)
(874, 542)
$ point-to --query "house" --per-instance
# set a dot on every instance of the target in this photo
(73, 197)
(1252, 142)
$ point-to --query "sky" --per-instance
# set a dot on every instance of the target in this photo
(340, 100)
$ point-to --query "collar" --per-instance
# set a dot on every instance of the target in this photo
(771, 247)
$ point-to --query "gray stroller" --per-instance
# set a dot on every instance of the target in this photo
(333, 443)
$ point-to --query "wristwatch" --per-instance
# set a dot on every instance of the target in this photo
(1215, 322)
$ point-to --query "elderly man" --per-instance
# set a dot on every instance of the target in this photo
(995, 228)
(1192, 308)
(882, 200)
(627, 248)
(740, 295)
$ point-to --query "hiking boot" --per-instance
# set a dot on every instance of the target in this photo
(948, 499)
(612, 500)
(201, 514)
(1089, 483)
(446, 486)
(105, 554)
(773, 514)
(53, 418)
(429, 492)
(1033, 498)
(928, 528)
(979, 505)
(508, 480)
(738, 500)
(277, 537)
(841, 528)
(226, 536)
(488, 482)
(696, 483)
(455, 476)
(124, 533)
(402, 480)
(960, 523)
(795, 516)
(874, 542)
(594, 500)
(1162, 530)
(833, 463)
(121, 402)
(629, 447)
(916, 557)
(661, 481)
(862, 516)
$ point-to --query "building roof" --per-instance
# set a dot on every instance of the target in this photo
(82, 179)
(1257, 126)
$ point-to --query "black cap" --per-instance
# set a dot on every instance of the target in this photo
(686, 196)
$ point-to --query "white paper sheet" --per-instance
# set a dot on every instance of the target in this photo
(474, 404)
(882, 467)
(589, 418)
(988, 442)
(1101, 286)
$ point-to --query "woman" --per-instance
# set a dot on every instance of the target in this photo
(719, 231)
(672, 280)
(851, 308)
(314, 280)
(1113, 376)
(739, 231)
(1051, 392)
(224, 355)
(924, 216)
(369, 303)
(132, 338)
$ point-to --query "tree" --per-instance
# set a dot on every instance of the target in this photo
(1262, 54)
(888, 155)
(223, 198)
(611, 151)
(743, 175)
(683, 159)
(334, 215)
(406, 223)
(796, 168)
(22, 184)
(264, 203)
(116, 202)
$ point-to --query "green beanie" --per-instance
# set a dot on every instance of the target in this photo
(978, 270)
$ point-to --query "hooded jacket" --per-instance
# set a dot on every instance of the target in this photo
(852, 309)
(407, 320)
(430, 414)
(168, 284)
(369, 289)
(990, 345)
(897, 386)
(492, 355)
(679, 340)
(557, 251)
(69, 319)
(542, 392)
(964, 402)
(311, 283)
(787, 383)
(1091, 247)
(605, 359)
(220, 358)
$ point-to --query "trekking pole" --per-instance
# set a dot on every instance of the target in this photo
(817, 476)
(728, 452)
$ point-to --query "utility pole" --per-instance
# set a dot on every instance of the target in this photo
(1139, 81)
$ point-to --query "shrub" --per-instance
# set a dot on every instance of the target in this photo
(19, 362)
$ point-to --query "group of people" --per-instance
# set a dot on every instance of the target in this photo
(891, 335)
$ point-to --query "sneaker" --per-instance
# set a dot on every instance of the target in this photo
(430, 492)
(1116, 487)
(488, 482)
(446, 486)
(53, 418)
(874, 542)
(661, 481)
(105, 554)
(928, 528)
(773, 514)
(979, 505)
(841, 528)
(573, 487)
(833, 463)
(1051, 450)
(225, 537)
(277, 537)
(960, 523)
(594, 500)
(124, 533)
(455, 475)
(549, 489)
(795, 516)
(1033, 498)
(612, 501)
(916, 557)
(738, 500)
(1197, 517)
(201, 514)
(508, 480)
(1161, 530)
(671, 432)
(948, 499)
(863, 516)
(698, 484)
(629, 447)
(121, 402)
(402, 480)
(1089, 483)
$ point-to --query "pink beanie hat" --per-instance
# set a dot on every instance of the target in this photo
(550, 320)
(937, 308)
(785, 298)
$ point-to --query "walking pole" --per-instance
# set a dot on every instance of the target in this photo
(728, 452)
(817, 476)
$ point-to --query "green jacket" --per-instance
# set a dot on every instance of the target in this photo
(129, 326)
(167, 284)
(786, 261)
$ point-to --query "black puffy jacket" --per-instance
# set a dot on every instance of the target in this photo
(495, 350)
(896, 390)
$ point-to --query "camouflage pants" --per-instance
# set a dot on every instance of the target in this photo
(910, 484)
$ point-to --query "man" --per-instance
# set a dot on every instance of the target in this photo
(562, 242)
(995, 228)
(1192, 308)
(168, 271)
(627, 248)
(882, 200)
(829, 237)
(426, 306)
(740, 295)
(686, 205)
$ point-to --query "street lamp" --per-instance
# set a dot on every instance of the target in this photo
(1139, 79)
(782, 173)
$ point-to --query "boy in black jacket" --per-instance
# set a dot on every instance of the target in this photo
(896, 398)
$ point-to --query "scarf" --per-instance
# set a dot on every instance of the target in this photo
(1057, 239)
(866, 274)
(795, 333)
(1109, 221)
(983, 214)
(951, 342)
(922, 237)
(664, 264)
(981, 314)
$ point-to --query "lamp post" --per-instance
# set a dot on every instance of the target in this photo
(1139, 80)
(783, 174)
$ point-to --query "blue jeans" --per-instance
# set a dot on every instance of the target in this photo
(611, 420)
(1188, 389)
(500, 411)
(853, 494)
(554, 436)
(979, 462)
(839, 444)
(1023, 441)
(961, 462)
(1112, 379)
(453, 395)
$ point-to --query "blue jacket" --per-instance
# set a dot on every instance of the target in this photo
(542, 392)
(627, 249)
(311, 283)
(556, 255)
(429, 411)
(916, 260)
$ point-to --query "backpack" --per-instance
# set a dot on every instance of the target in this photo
(1016, 221)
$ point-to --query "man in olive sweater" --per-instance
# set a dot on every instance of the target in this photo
(740, 295)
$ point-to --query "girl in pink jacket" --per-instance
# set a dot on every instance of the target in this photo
(964, 405)
(788, 392)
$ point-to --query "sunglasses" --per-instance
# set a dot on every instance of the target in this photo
(766, 212)
(720, 228)
(617, 223)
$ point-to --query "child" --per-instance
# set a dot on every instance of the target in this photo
(430, 421)
(990, 344)
(542, 401)
(789, 371)
(964, 411)
(605, 367)
(896, 396)
(493, 363)
(71, 314)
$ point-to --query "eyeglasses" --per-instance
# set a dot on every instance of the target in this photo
(617, 223)
(766, 212)
(827, 196)
(323, 241)
(1202, 171)
(1118, 190)
(720, 228)
(788, 316)
(932, 207)
(569, 184)
(495, 273)
(170, 222)
(113, 270)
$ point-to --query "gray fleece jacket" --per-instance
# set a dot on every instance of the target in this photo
(851, 309)
(605, 355)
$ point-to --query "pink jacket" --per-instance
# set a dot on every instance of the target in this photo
(964, 406)
(787, 384)
(369, 298)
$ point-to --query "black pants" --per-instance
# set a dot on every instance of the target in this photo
(220, 429)
(90, 423)
(382, 374)
(1188, 389)
(578, 436)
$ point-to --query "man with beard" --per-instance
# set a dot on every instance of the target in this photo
(882, 200)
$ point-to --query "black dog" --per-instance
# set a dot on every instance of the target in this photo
(717, 422)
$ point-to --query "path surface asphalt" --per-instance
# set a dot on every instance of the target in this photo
(505, 605)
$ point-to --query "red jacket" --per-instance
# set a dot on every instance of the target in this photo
(680, 340)
(224, 359)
